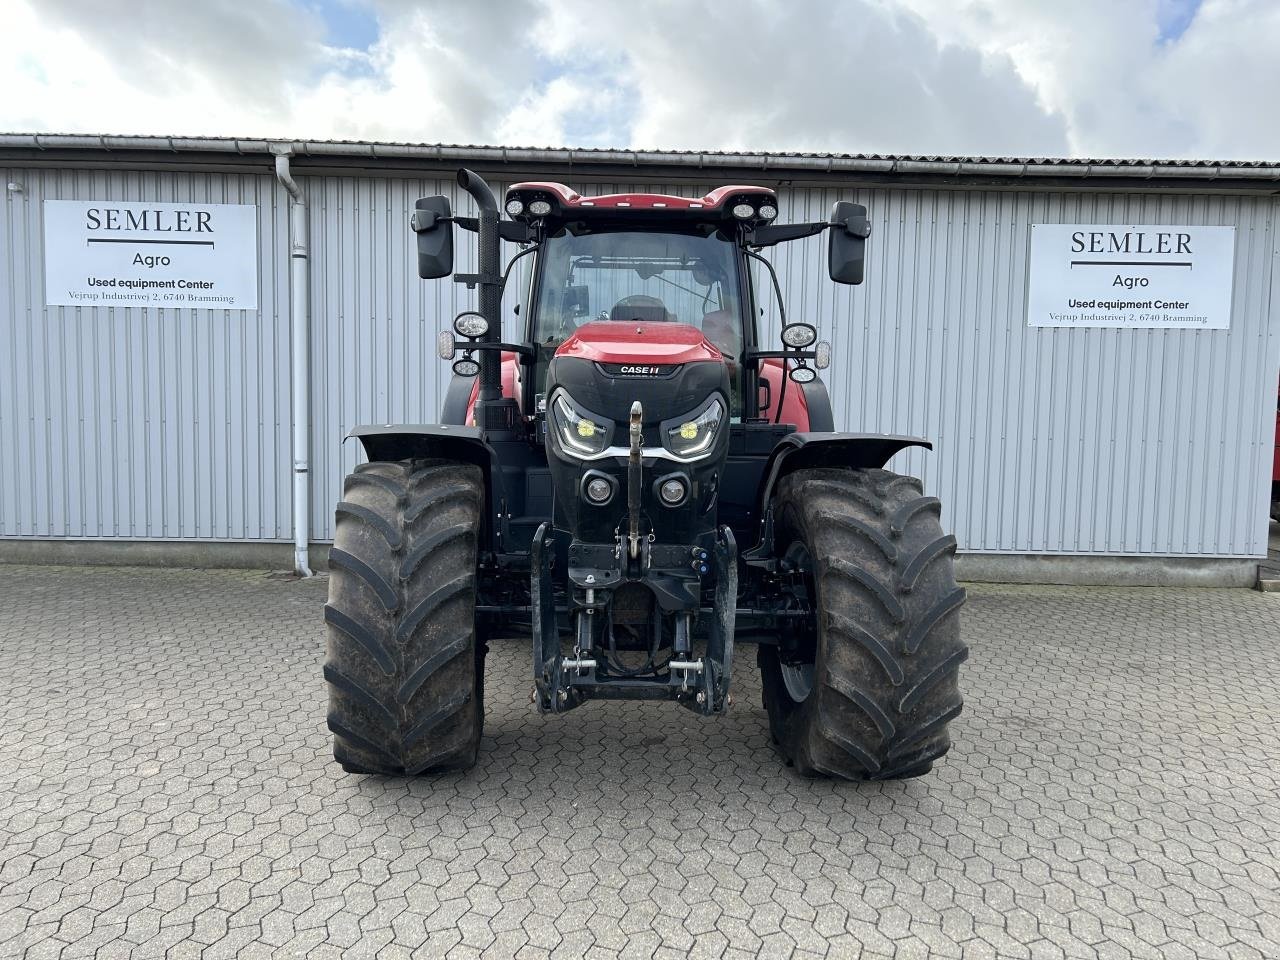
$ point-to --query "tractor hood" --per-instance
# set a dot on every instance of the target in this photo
(633, 342)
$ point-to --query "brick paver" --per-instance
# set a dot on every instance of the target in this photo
(166, 787)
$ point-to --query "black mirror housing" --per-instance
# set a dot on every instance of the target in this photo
(432, 222)
(847, 245)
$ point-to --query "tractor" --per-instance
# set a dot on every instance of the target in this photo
(638, 486)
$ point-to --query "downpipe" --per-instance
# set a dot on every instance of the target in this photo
(300, 361)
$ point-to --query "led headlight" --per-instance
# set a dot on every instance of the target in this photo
(578, 431)
(768, 211)
(744, 211)
(515, 206)
(696, 435)
(540, 208)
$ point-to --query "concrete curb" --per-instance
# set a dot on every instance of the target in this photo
(198, 554)
(1107, 571)
(973, 567)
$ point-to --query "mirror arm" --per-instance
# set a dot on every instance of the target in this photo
(781, 354)
(768, 236)
(516, 232)
(519, 349)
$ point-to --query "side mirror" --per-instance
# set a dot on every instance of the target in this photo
(431, 222)
(847, 246)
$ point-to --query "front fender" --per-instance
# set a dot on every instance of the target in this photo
(797, 451)
(436, 441)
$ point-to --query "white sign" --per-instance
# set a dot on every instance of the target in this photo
(114, 253)
(1102, 275)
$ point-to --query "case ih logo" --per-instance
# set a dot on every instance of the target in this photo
(636, 370)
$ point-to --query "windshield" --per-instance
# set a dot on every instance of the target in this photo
(638, 276)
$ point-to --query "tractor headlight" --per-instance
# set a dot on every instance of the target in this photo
(578, 431)
(695, 435)
(540, 208)
(744, 211)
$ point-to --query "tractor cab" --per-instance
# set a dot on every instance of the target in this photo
(643, 258)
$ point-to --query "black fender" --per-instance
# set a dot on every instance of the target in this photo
(818, 400)
(443, 441)
(798, 451)
(456, 397)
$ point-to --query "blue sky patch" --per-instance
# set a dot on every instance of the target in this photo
(348, 23)
(1173, 17)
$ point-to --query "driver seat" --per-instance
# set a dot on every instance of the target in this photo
(640, 307)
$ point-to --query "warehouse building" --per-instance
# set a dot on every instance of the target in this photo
(1090, 345)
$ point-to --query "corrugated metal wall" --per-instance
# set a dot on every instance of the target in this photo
(129, 422)
(134, 422)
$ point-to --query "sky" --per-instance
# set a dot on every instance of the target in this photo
(1083, 78)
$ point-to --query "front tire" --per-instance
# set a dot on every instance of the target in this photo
(403, 665)
(867, 690)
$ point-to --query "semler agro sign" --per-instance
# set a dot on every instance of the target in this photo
(114, 253)
(1103, 275)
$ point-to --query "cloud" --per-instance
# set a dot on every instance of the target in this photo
(1145, 79)
(1175, 78)
(843, 76)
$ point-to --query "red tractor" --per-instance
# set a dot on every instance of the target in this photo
(638, 485)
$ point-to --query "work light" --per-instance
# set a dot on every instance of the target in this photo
(799, 335)
(470, 324)
(802, 374)
(515, 206)
(540, 208)
(744, 211)
(768, 211)
(466, 367)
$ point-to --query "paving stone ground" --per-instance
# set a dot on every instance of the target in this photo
(166, 788)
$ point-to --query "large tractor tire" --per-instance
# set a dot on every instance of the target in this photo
(865, 689)
(405, 670)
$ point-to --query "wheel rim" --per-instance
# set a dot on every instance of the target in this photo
(798, 668)
(798, 679)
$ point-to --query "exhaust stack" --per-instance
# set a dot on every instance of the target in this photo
(489, 280)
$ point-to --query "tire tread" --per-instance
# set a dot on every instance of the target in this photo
(889, 647)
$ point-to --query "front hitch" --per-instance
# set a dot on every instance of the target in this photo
(701, 684)
(634, 480)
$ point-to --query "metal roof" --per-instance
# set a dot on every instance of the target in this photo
(780, 164)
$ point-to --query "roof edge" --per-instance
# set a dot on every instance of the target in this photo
(775, 163)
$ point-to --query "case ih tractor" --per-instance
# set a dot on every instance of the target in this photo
(639, 486)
